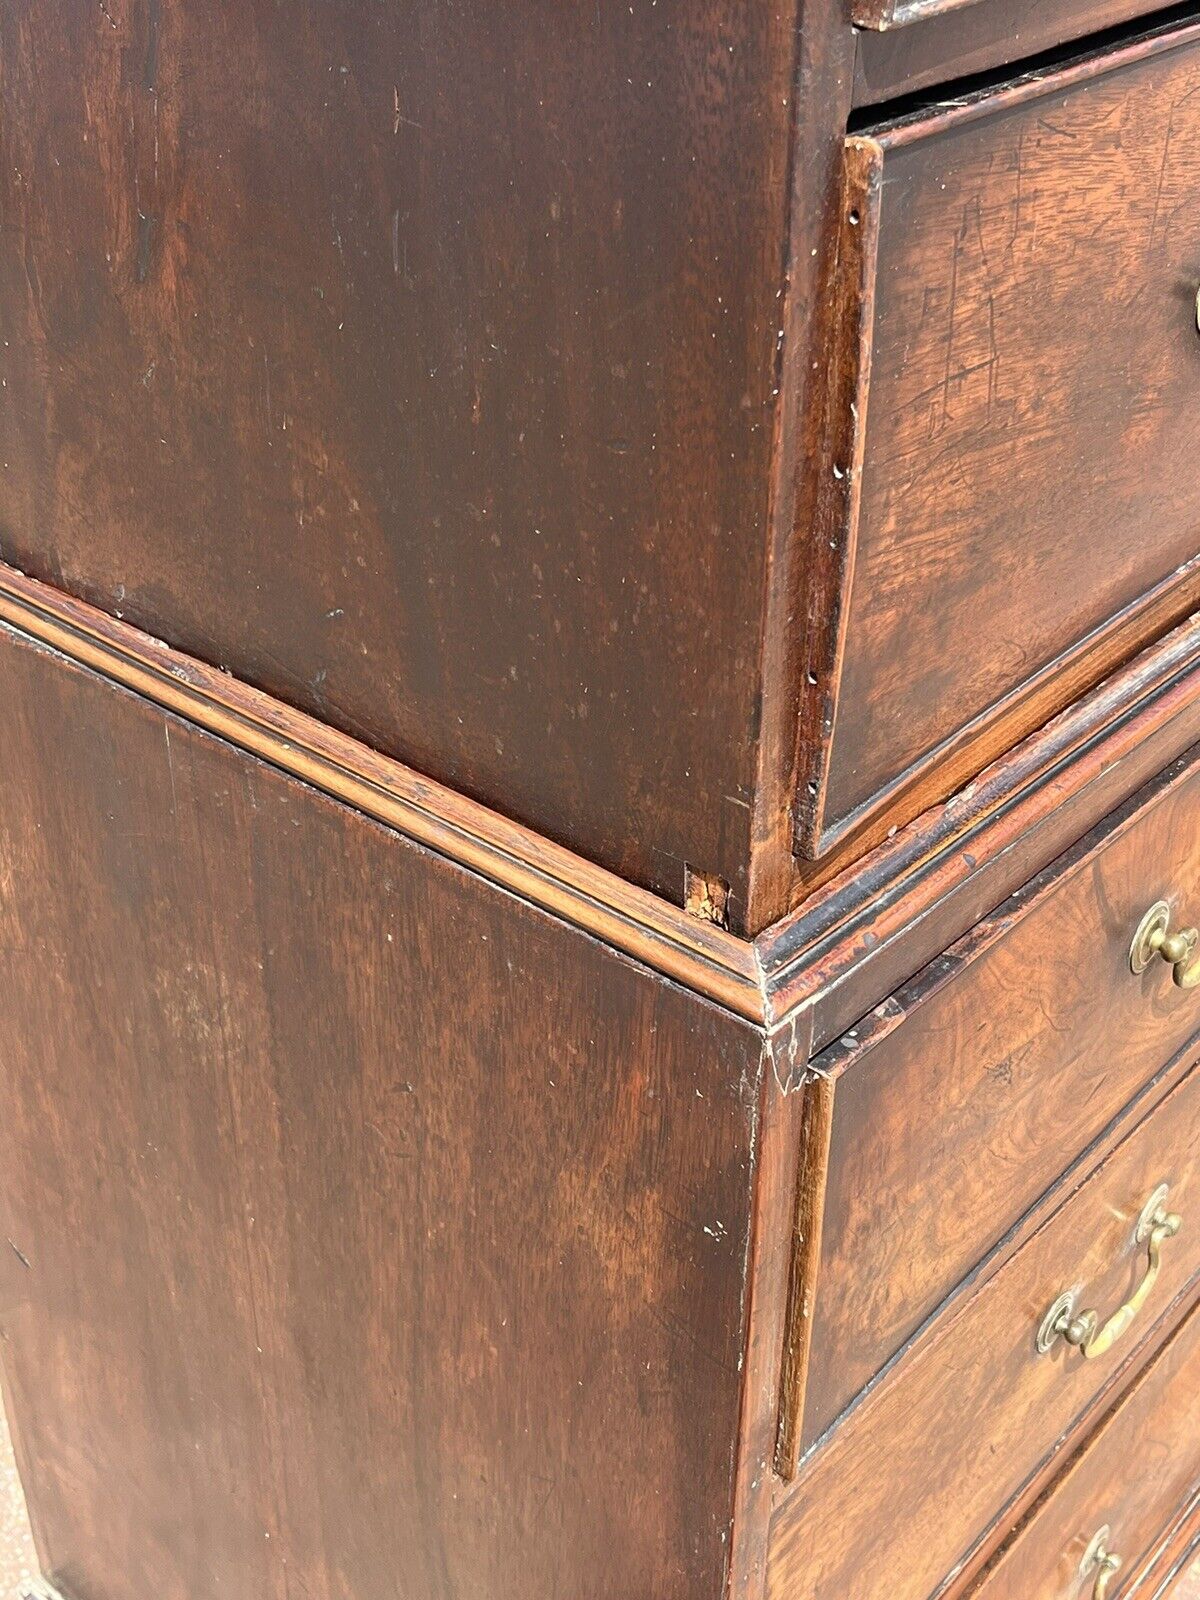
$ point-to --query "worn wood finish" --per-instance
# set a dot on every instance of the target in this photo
(1060, 19)
(1023, 522)
(368, 1226)
(1144, 1459)
(835, 959)
(707, 958)
(882, 14)
(970, 1090)
(419, 364)
(877, 1505)
(980, 38)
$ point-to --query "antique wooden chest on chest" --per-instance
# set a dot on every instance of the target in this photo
(600, 802)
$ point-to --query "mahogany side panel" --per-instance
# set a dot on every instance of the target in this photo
(418, 364)
(369, 1230)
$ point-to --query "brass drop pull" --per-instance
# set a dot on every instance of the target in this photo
(1100, 1560)
(1082, 1329)
(1178, 949)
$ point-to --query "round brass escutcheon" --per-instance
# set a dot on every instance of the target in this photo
(1179, 949)
(1151, 931)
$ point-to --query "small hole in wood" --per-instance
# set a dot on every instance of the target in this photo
(855, 217)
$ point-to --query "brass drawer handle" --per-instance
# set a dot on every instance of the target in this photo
(1179, 949)
(1082, 1329)
(1100, 1560)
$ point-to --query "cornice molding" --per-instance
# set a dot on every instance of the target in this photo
(828, 963)
(697, 954)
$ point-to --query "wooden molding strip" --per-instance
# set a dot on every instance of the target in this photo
(871, 927)
(837, 956)
(705, 958)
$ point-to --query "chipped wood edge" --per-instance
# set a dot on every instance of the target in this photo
(880, 15)
(835, 538)
(703, 957)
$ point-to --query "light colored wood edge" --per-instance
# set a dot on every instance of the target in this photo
(816, 1132)
(714, 963)
(932, 120)
(835, 538)
(857, 920)
(781, 1112)
(880, 15)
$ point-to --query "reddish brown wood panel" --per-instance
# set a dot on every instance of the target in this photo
(1024, 514)
(363, 1230)
(967, 1093)
(979, 38)
(930, 1464)
(1136, 1474)
(418, 363)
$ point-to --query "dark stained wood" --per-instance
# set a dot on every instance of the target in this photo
(842, 952)
(979, 38)
(419, 364)
(927, 1465)
(1024, 525)
(810, 327)
(1144, 1459)
(369, 1231)
(705, 957)
(969, 1091)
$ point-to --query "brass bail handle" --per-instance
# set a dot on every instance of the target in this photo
(1082, 1329)
(1099, 1559)
(1178, 949)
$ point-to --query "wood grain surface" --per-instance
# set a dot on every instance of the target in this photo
(980, 38)
(928, 1465)
(360, 1226)
(1144, 1461)
(969, 1091)
(1024, 519)
(418, 364)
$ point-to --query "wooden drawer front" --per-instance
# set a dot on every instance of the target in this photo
(924, 1466)
(978, 38)
(1132, 1477)
(962, 1099)
(1012, 422)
